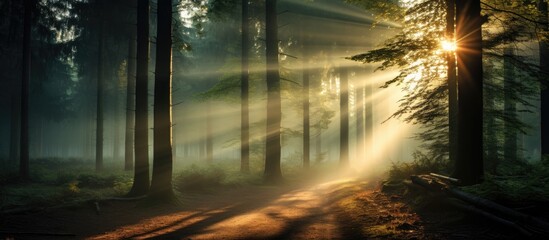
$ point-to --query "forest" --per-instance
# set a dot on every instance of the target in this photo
(274, 119)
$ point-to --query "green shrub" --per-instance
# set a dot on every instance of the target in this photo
(96, 181)
(421, 164)
(198, 178)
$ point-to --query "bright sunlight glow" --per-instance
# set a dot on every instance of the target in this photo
(449, 46)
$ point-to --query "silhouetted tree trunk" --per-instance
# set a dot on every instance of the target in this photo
(141, 172)
(25, 78)
(244, 88)
(452, 84)
(15, 124)
(116, 126)
(209, 136)
(272, 172)
(343, 116)
(99, 100)
(509, 106)
(469, 165)
(161, 183)
(130, 104)
(544, 66)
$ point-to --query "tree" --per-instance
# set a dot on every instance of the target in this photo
(25, 79)
(452, 83)
(469, 165)
(272, 171)
(244, 88)
(130, 103)
(161, 183)
(100, 85)
(543, 65)
(360, 134)
(343, 116)
(306, 72)
(141, 171)
(509, 106)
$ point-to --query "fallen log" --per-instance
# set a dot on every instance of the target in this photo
(492, 217)
(515, 216)
(451, 179)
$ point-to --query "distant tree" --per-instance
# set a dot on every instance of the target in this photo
(244, 89)
(130, 103)
(509, 106)
(25, 74)
(306, 72)
(543, 66)
(359, 108)
(343, 116)
(141, 148)
(272, 171)
(100, 85)
(161, 183)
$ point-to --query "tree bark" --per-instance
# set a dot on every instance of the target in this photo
(130, 104)
(509, 106)
(306, 107)
(99, 99)
(469, 165)
(544, 65)
(368, 118)
(209, 136)
(15, 124)
(272, 172)
(343, 117)
(141, 171)
(25, 78)
(359, 103)
(161, 183)
(244, 88)
(452, 84)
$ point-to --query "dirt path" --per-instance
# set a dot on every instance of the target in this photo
(343, 209)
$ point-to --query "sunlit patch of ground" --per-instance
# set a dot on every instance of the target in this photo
(302, 213)
(341, 209)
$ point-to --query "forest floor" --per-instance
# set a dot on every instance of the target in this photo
(333, 209)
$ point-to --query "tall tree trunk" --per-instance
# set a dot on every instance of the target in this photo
(209, 136)
(544, 65)
(360, 143)
(509, 106)
(272, 172)
(490, 132)
(368, 118)
(130, 104)
(452, 84)
(116, 124)
(343, 116)
(306, 105)
(161, 183)
(99, 100)
(318, 146)
(244, 88)
(15, 124)
(469, 165)
(25, 78)
(141, 172)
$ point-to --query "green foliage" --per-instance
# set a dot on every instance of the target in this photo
(96, 181)
(203, 177)
(422, 164)
(199, 178)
